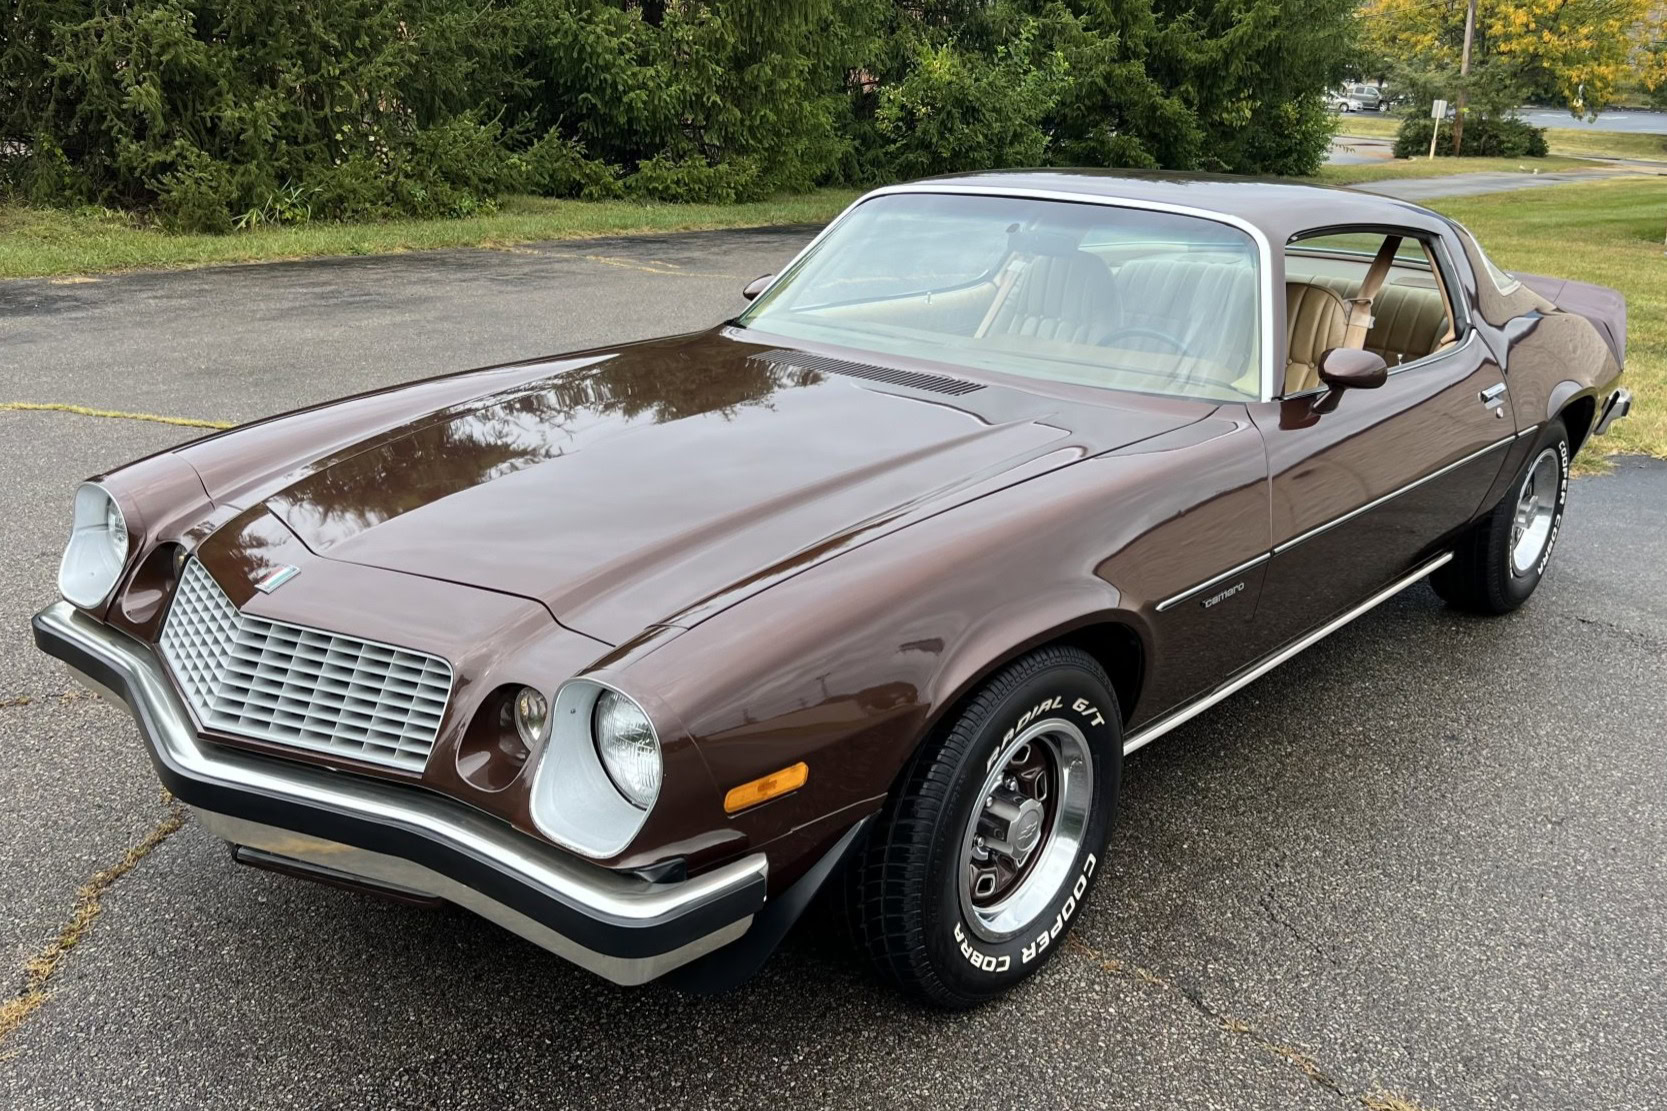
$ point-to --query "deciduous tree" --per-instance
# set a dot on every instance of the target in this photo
(1580, 51)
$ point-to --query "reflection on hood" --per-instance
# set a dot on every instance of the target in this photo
(496, 436)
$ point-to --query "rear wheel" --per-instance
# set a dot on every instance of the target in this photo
(984, 854)
(1501, 559)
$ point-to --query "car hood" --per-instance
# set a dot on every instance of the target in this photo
(661, 481)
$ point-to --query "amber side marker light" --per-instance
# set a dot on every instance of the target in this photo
(766, 787)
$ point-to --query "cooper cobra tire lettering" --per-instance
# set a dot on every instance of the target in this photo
(984, 962)
(1562, 500)
(1030, 952)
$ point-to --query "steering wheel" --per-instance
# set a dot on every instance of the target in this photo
(1173, 341)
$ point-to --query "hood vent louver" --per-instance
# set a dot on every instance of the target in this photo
(913, 379)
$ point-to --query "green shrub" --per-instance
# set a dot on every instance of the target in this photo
(198, 194)
(220, 114)
(958, 111)
(1497, 137)
(557, 166)
(692, 180)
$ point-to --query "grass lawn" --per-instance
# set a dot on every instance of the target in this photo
(1356, 173)
(44, 242)
(1608, 232)
(1570, 141)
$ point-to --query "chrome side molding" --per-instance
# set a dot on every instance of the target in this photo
(1175, 600)
(1152, 732)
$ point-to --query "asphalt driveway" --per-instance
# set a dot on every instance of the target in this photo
(1422, 862)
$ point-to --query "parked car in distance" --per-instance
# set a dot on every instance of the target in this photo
(867, 593)
(1340, 101)
(1366, 98)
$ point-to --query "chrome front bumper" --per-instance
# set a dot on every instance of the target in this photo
(406, 839)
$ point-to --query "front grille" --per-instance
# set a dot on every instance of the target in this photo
(301, 687)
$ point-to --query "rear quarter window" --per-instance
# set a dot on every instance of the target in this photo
(1499, 297)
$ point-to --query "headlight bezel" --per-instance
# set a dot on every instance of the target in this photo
(575, 800)
(94, 559)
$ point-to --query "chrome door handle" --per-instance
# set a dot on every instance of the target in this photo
(1494, 396)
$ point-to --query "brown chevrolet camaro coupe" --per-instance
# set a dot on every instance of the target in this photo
(866, 593)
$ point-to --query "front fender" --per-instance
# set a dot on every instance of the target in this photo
(849, 664)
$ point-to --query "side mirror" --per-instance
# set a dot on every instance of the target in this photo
(756, 286)
(1344, 368)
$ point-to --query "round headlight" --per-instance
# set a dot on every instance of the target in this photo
(97, 548)
(629, 749)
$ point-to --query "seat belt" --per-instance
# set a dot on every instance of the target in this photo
(1360, 306)
(1004, 285)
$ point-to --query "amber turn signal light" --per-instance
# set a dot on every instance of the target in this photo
(766, 787)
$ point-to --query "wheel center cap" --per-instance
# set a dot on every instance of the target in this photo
(1027, 830)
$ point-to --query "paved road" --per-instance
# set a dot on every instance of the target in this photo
(1426, 857)
(1618, 120)
(1464, 185)
(1354, 150)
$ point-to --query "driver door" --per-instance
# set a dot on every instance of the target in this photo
(1364, 491)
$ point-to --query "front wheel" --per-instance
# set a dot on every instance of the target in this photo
(984, 853)
(1497, 564)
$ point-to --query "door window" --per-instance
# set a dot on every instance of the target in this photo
(1411, 311)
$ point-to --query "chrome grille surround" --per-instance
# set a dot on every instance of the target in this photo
(301, 687)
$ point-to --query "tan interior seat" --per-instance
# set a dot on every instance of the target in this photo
(1209, 307)
(1072, 296)
(1408, 321)
(1315, 322)
(1063, 296)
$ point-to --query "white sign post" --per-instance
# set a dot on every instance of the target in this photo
(1438, 112)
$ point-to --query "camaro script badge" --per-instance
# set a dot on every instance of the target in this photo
(276, 577)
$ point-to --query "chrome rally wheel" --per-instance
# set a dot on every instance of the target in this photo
(985, 852)
(1020, 842)
(1536, 511)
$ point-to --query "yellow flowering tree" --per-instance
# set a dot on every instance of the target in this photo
(1581, 51)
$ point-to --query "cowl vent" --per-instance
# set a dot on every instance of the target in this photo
(913, 379)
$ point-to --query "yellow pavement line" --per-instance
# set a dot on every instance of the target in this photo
(114, 414)
(37, 974)
(667, 268)
(1375, 1100)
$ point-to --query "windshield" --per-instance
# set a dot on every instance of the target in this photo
(1070, 292)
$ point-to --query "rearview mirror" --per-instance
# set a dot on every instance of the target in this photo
(1345, 368)
(756, 286)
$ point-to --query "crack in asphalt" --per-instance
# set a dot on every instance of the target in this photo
(89, 904)
(1270, 910)
(1377, 1099)
(112, 414)
(1648, 640)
